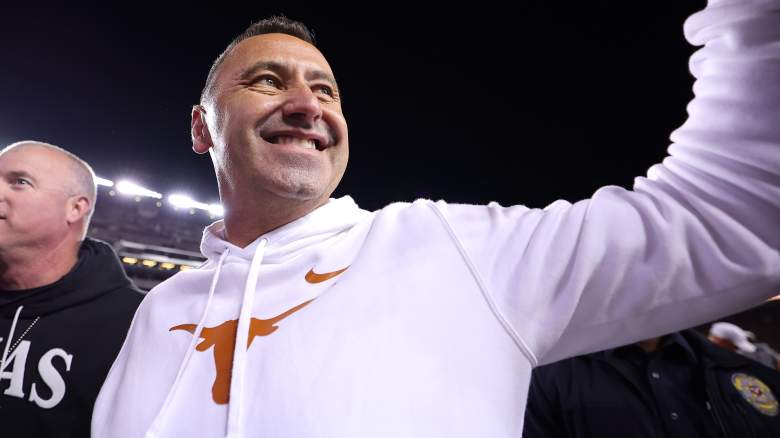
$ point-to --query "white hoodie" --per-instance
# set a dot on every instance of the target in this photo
(425, 319)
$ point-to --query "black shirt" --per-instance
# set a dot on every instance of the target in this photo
(57, 343)
(686, 388)
(671, 379)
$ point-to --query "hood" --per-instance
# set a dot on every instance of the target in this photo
(97, 272)
(284, 242)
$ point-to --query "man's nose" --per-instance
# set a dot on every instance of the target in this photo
(302, 105)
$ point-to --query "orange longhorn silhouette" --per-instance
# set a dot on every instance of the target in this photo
(223, 338)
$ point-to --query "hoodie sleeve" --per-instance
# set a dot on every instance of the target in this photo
(696, 239)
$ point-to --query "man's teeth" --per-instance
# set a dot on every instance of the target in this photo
(302, 142)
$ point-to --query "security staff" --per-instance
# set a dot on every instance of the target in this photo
(679, 385)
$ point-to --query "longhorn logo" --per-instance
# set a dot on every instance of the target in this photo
(223, 338)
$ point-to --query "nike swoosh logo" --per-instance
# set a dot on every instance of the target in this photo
(314, 278)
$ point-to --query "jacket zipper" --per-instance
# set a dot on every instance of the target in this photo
(716, 417)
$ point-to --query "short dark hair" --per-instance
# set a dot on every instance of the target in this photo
(275, 24)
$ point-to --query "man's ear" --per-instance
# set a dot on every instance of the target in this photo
(201, 138)
(78, 208)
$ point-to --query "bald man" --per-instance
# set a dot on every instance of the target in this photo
(65, 302)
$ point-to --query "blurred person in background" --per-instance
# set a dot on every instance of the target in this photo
(678, 385)
(733, 338)
(65, 302)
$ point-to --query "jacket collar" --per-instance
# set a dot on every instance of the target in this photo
(695, 346)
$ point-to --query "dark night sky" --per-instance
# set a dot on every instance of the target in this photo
(473, 104)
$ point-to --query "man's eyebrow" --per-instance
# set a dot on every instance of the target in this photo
(322, 75)
(261, 65)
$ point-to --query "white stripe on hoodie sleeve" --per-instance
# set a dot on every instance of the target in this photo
(695, 240)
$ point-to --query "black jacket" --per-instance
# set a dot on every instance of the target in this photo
(597, 395)
(65, 338)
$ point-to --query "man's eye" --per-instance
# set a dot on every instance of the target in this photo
(268, 81)
(20, 182)
(324, 89)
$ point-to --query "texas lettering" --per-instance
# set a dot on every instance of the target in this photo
(12, 367)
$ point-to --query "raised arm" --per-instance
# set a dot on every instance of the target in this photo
(696, 239)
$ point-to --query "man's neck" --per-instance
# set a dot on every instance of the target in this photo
(245, 222)
(27, 269)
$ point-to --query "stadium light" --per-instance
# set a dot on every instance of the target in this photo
(216, 210)
(103, 182)
(178, 200)
(184, 201)
(133, 189)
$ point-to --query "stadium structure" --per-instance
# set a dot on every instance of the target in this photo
(154, 235)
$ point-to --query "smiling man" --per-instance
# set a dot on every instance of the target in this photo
(271, 117)
(314, 318)
(65, 302)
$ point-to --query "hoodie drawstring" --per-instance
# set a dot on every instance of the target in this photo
(10, 337)
(154, 429)
(235, 406)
